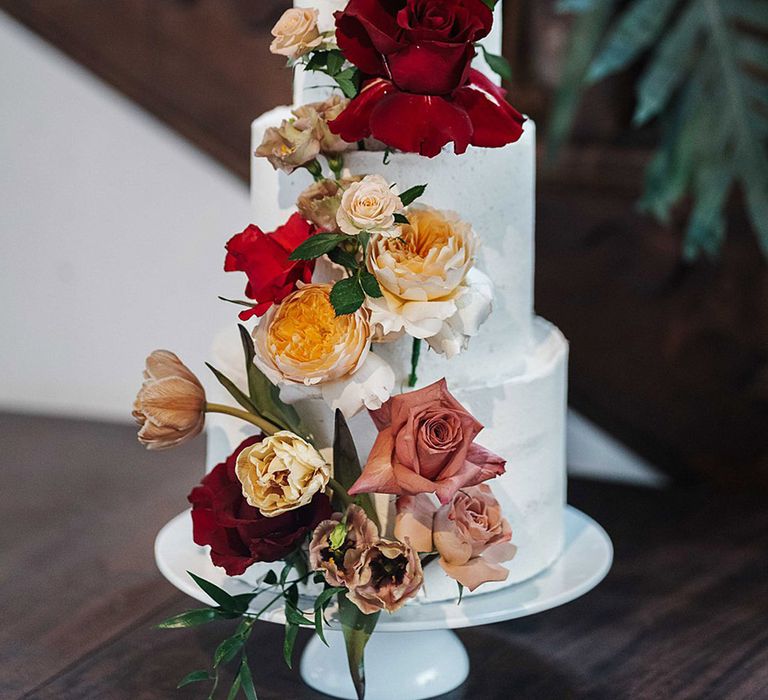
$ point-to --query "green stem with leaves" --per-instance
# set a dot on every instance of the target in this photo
(264, 425)
(415, 353)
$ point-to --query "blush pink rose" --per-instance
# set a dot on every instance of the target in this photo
(426, 445)
(470, 534)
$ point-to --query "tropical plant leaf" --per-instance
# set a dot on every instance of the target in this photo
(590, 23)
(357, 628)
(632, 33)
(669, 65)
(346, 465)
(706, 225)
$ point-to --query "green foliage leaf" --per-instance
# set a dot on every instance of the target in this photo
(633, 32)
(289, 642)
(498, 64)
(235, 689)
(749, 12)
(490, 3)
(706, 225)
(296, 616)
(347, 296)
(246, 679)
(669, 65)
(227, 650)
(370, 284)
(232, 388)
(348, 80)
(191, 618)
(461, 593)
(265, 396)
(357, 628)
(194, 677)
(412, 194)
(343, 258)
(335, 62)
(346, 465)
(270, 578)
(219, 595)
(317, 245)
(401, 219)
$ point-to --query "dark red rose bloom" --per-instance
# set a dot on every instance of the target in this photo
(421, 92)
(263, 257)
(237, 533)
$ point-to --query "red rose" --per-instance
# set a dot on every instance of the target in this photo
(238, 534)
(422, 93)
(263, 257)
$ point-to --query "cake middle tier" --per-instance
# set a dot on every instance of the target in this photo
(491, 188)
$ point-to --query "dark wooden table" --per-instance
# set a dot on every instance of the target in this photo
(683, 614)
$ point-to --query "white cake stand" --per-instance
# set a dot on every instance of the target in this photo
(400, 664)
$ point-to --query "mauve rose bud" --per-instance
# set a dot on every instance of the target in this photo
(387, 576)
(170, 406)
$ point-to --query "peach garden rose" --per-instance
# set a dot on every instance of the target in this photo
(296, 33)
(369, 205)
(430, 288)
(426, 444)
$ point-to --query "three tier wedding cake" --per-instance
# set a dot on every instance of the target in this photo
(397, 433)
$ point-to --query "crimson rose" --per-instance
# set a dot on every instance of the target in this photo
(238, 534)
(263, 257)
(421, 92)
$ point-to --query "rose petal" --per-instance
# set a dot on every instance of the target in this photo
(369, 387)
(354, 123)
(420, 123)
(377, 475)
(430, 68)
(495, 122)
(414, 521)
(475, 572)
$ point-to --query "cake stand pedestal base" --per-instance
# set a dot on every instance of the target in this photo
(397, 665)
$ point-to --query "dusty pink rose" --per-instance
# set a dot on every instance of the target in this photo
(426, 445)
(470, 534)
(387, 575)
(339, 563)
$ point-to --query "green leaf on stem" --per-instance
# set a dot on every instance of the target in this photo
(317, 245)
(264, 395)
(246, 679)
(498, 64)
(235, 689)
(347, 296)
(289, 642)
(231, 387)
(348, 80)
(335, 62)
(357, 628)
(412, 194)
(346, 466)
(270, 578)
(370, 284)
(219, 595)
(191, 618)
(399, 219)
(194, 677)
(227, 650)
(343, 258)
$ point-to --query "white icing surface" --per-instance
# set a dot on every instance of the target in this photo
(493, 189)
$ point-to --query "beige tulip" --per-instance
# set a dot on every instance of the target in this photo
(281, 473)
(170, 406)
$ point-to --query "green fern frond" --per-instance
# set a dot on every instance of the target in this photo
(705, 82)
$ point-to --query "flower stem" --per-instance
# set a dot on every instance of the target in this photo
(258, 421)
(415, 352)
(341, 492)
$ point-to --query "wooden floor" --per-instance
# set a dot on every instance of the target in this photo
(683, 614)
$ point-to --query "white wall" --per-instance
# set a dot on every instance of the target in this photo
(111, 244)
(111, 238)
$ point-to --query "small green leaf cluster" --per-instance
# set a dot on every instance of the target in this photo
(334, 65)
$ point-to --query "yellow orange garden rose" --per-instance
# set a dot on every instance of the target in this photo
(281, 473)
(303, 343)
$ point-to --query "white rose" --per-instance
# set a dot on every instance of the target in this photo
(296, 33)
(281, 473)
(369, 205)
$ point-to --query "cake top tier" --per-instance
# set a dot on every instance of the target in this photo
(312, 86)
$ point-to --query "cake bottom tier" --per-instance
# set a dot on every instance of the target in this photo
(524, 415)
